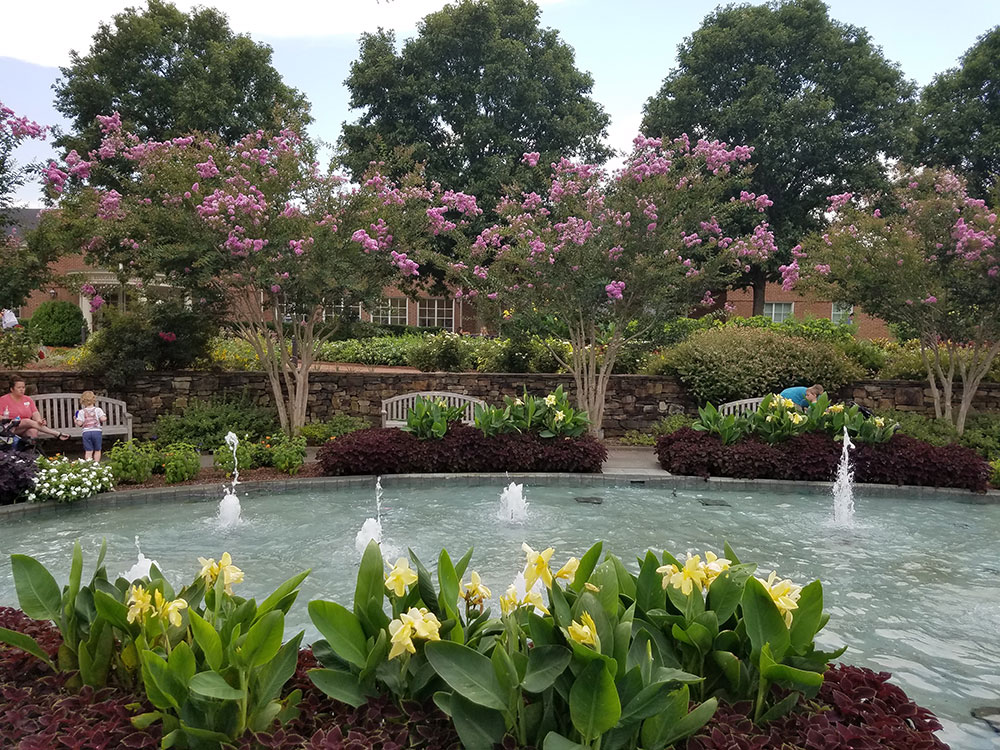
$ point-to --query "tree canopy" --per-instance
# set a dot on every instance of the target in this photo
(960, 117)
(479, 85)
(816, 99)
(168, 73)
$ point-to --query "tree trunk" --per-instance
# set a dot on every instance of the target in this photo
(935, 392)
(759, 291)
(972, 376)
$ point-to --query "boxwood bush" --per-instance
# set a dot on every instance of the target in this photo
(462, 449)
(204, 424)
(58, 323)
(730, 363)
(814, 457)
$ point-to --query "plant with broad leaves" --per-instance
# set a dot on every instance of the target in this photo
(429, 418)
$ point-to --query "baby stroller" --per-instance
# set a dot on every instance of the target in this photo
(11, 443)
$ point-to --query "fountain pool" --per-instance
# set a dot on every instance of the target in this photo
(913, 587)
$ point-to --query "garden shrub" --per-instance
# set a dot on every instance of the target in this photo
(383, 351)
(204, 424)
(289, 454)
(905, 363)
(17, 476)
(814, 457)
(664, 426)
(67, 481)
(462, 449)
(995, 473)
(132, 462)
(726, 364)
(982, 431)
(58, 323)
(18, 347)
(442, 352)
(222, 457)
(181, 462)
(317, 433)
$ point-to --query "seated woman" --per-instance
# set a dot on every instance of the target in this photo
(15, 405)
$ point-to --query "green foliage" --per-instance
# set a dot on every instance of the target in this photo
(317, 433)
(389, 351)
(982, 432)
(429, 418)
(958, 113)
(443, 352)
(479, 85)
(765, 75)
(995, 473)
(132, 462)
(549, 416)
(728, 427)
(664, 426)
(289, 454)
(903, 362)
(520, 353)
(727, 364)
(169, 73)
(58, 323)
(64, 480)
(248, 456)
(204, 424)
(181, 462)
(18, 347)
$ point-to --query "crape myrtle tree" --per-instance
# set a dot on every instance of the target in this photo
(256, 232)
(610, 258)
(480, 84)
(923, 254)
(169, 73)
(959, 123)
(816, 99)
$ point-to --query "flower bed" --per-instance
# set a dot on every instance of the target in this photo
(461, 449)
(814, 457)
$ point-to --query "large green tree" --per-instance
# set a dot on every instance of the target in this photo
(168, 73)
(478, 86)
(960, 117)
(816, 99)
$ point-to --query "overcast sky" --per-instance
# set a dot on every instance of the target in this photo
(627, 45)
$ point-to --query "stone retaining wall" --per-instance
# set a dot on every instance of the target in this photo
(634, 402)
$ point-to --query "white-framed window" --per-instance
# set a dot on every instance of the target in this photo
(436, 311)
(778, 312)
(390, 311)
(341, 310)
(841, 313)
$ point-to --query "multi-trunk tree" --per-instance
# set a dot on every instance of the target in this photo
(924, 255)
(606, 259)
(256, 233)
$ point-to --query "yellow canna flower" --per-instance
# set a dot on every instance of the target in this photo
(789, 404)
(550, 400)
(585, 631)
(425, 624)
(714, 567)
(834, 409)
(686, 578)
(535, 600)
(879, 422)
(798, 419)
(568, 570)
(591, 587)
(209, 570)
(474, 592)
(401, 637)
(537, 566)
(508, 602)
(559, 416)
(229, 572)
(169, 611)
(139, 604)
(785, 595)
(400, 577)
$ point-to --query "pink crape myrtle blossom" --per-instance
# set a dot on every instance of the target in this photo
(615, 289)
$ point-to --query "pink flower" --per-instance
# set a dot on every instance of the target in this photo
(168, 336)
(615, 289)
(96, 302)
(929, 300)
(275, 288)
(839, 201)
(531, 159)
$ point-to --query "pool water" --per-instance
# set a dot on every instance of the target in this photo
(913, 588)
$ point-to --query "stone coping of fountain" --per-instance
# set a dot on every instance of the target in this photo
(648, 478)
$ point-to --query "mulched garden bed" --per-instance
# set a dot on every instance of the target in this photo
(856, 709)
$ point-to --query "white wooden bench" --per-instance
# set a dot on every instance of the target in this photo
(394, 409)
(742, 407)
(59, 409)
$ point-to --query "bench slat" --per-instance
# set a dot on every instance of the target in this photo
(59, 410)
(394, 409)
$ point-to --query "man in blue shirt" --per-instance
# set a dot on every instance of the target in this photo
(801, 395)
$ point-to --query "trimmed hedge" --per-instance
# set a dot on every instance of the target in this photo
(462, 449)
(814, 457)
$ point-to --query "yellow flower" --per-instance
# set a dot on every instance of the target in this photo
(535, 600)
(474, 592)
(170, 611)
(559, 416)
(537, 566)
(568, 570)
(769, 418)
(789, 404)
(686, 578)
(139, 604)
(714, 567)
(508, 602)
(400, 577)
(401, 633)
(209, 571)
(785, 595)
(585, 631)
(425, 624)
(518, 402)
(550, 400)
(834, 409)
(591, 587)
(417, 623)
(508, 314)
(798, 419)
(229, 572)
(879, 422)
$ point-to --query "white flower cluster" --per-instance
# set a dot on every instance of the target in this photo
(67, 481)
